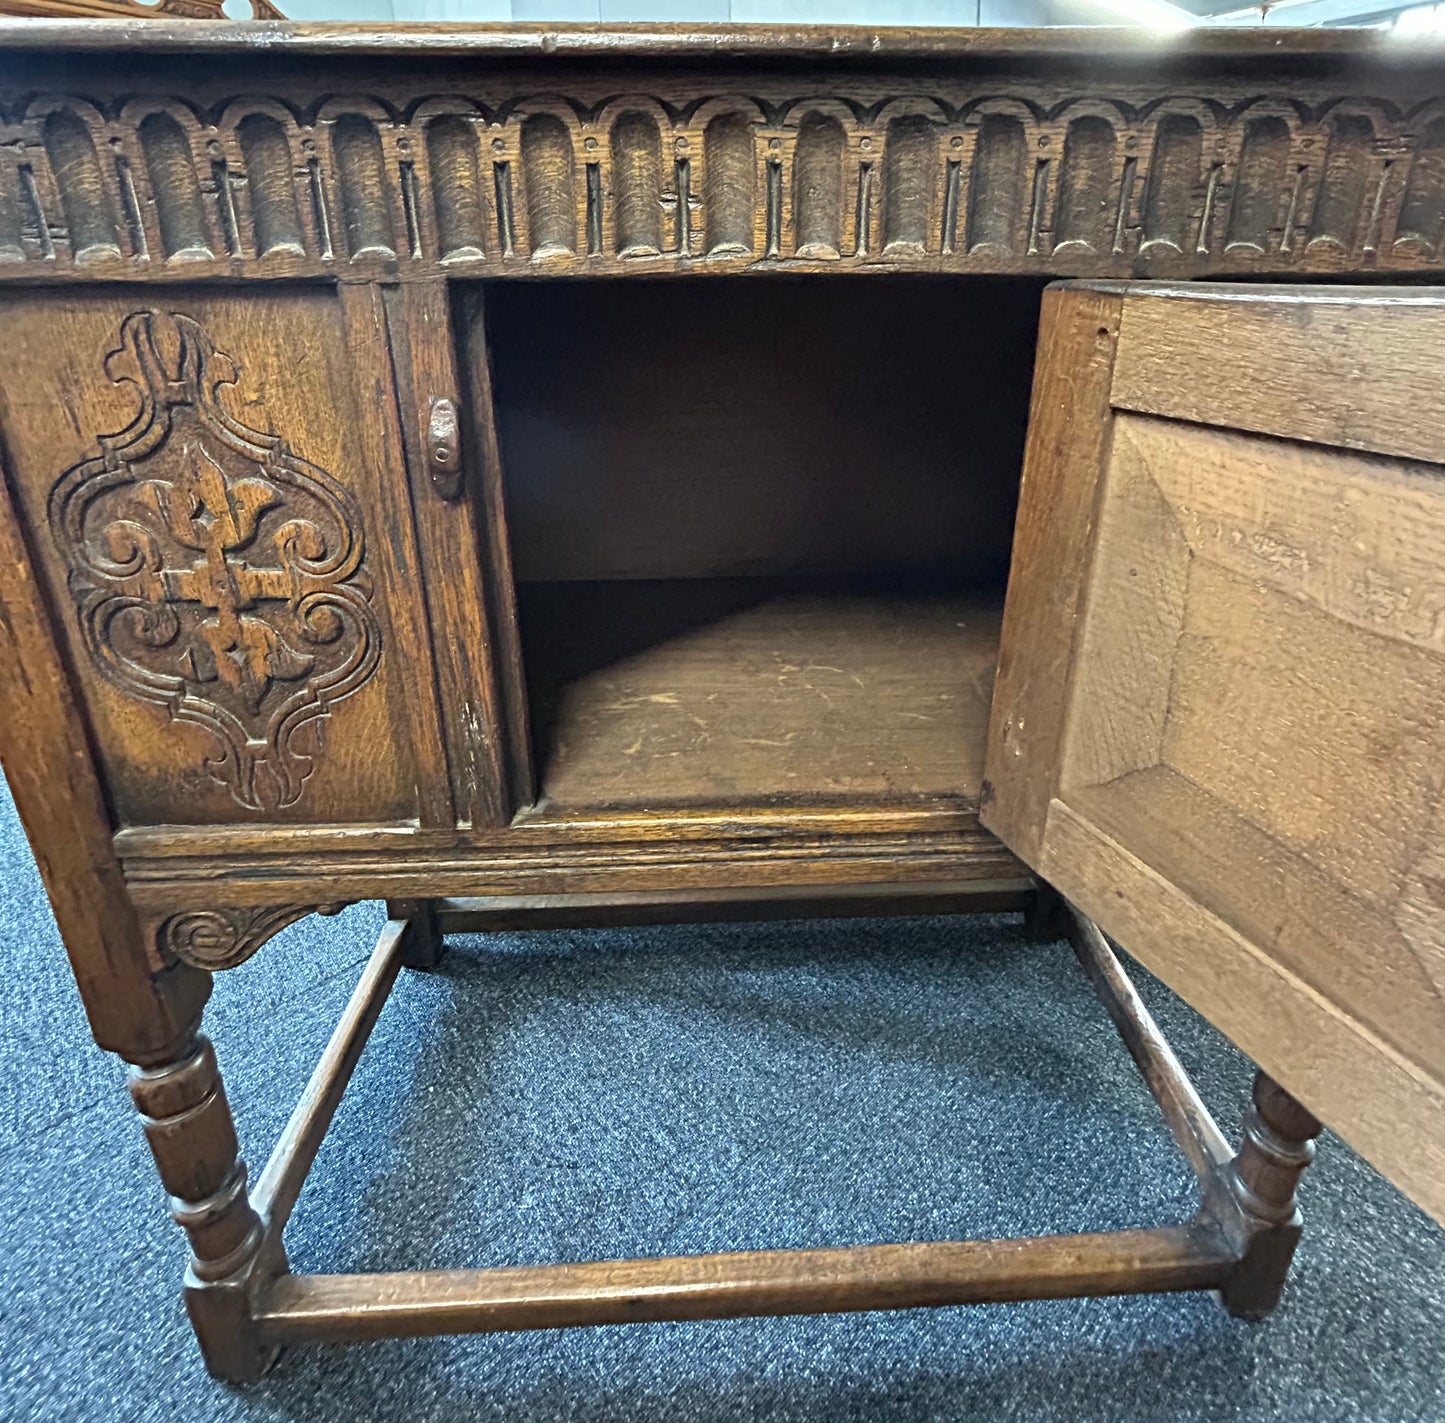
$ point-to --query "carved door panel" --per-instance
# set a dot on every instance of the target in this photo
(212, 489)
(1219, 724)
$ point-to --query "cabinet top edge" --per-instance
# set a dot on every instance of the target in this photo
(848, 44)
(1273, 293)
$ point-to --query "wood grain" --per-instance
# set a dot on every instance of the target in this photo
(494, 545)
(210, 711)
(333, 1307)
(1245, 788)
(1068, 445)
(1386, 1108)
(453, 560)
(265, 479)
(474, 915)
(655, 695)
(1348, 948)
(134, 1005)
(839, 45)
(1278, 363)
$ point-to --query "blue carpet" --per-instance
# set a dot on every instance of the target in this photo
(576, 1095)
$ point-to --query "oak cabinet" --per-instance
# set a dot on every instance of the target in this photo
(351, 553)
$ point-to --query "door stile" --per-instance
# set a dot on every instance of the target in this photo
(1064, 462)
(446, 439)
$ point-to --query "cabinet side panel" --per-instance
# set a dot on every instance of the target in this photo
(132, 1003)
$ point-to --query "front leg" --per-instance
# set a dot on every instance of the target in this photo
(176, 1086)
(187, 1121)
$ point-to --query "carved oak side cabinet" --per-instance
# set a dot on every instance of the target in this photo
(572, 478)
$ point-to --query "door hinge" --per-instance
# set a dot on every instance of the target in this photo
(443, 447)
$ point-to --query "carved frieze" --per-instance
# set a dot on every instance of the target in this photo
(1013, 179)
(216, 573)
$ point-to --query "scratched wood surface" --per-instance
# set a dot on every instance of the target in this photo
(1256, 714)
(273, 435)
(732, 691)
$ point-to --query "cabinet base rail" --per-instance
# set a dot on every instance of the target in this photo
(310, 1309)
(1239, 1243)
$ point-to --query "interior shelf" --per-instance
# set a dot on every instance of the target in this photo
(713, 691)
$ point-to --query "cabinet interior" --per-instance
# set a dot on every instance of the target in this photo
(760, 530)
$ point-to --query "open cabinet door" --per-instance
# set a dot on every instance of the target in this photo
(1219, 725)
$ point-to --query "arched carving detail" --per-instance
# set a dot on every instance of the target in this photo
(958, 176)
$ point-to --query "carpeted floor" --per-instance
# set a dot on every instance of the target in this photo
(578, 1095)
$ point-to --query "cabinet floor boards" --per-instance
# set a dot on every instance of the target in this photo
(705, 691)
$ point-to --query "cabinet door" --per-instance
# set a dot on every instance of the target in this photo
(211, 485)
(1219, 725)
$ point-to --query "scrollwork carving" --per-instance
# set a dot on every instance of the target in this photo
(216, 939)
(215, 572)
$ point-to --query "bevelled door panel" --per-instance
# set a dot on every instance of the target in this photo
(1220, 717)
(205, 486)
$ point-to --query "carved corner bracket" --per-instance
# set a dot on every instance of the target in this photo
(215, 939)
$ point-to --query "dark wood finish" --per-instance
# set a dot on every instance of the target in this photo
(510, 712)
(1240, 1244)
(422, 944)
(1189, 1119)
(1047, 915)
(238, 603)
(732, 150)
(271, 422)
(133, 9)
(579, 911)
(188, 1125)
(1278, 1145)
(453, 560)
(1248, 1195)
(138, 1005)
(301, 1308)
(1134, 49)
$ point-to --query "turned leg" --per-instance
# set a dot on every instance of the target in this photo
(188, 1124)
(1261, 1179)
(423, 945)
